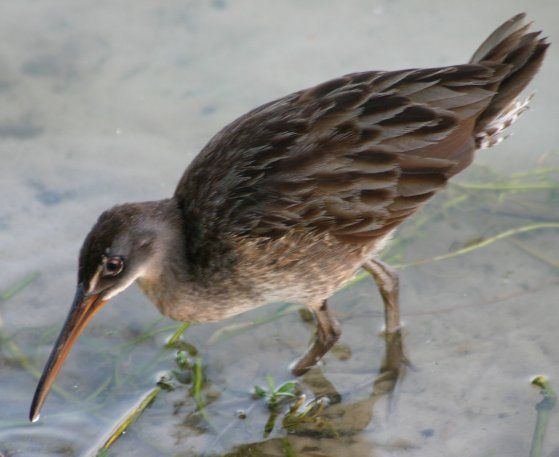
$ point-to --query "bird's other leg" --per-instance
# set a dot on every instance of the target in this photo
(388, 284)
(328, 331)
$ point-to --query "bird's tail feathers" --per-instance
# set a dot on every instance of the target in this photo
(523, 52)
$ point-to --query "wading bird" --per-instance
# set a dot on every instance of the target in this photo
(288, 201)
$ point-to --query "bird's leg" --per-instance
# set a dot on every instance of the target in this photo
(393, 367)
(327, 333)
(388, 284)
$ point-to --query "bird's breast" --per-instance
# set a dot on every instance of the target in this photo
(298, 270)
(196, 303)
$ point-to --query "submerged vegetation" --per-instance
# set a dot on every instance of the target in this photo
(523, 199)
(543, 408)
(288, 400)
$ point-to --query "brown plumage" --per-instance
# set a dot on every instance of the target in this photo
(289, 200)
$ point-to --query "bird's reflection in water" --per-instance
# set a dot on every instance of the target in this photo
(341, 421)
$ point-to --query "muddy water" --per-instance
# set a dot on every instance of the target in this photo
(101, 104)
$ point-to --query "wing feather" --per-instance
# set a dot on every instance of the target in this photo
(352, 157)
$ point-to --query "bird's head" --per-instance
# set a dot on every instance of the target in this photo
(117, 251)
(120, 248)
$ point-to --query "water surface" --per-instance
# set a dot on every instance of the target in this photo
(103, 103)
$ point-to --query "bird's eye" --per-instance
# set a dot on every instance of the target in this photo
(112, 266)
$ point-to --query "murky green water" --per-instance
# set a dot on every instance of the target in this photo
(102, 103)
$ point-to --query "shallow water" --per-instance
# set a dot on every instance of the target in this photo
(101, 104)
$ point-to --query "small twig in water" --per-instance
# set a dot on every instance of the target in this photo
(543, 408)
(130, 418)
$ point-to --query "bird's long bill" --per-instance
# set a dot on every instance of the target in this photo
(83, 309)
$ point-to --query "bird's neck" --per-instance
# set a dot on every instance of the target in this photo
(164, 217)
(182, 255)
(184, 267)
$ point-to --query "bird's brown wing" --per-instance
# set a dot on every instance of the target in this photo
(354, 156)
